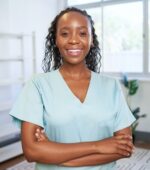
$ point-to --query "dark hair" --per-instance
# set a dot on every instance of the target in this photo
(52, 59)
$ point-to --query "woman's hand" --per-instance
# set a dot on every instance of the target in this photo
(40, 135)
(120, 144)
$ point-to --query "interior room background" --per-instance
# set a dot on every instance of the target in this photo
(122, 27)
(23, 28)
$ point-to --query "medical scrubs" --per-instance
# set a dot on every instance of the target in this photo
(47, 101)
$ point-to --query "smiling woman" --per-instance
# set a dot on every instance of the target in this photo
(73, 37)
(84, 115)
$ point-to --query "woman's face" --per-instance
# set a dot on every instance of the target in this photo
(73, 37)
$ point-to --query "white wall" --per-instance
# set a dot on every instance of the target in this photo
(27, 16)
(23, 16)
(4, 27)
(4, 16)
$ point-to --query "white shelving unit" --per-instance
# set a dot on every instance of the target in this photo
(9, 137)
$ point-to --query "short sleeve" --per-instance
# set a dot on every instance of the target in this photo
(29, 106)
(124, 117)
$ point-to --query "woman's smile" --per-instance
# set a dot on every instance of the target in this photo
(74, 52)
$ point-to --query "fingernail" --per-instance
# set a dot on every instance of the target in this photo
(133, 149)
(36, 134)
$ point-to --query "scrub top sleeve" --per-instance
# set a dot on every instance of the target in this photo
(124, 117)
(28, 106)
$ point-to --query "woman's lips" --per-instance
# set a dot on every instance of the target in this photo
(74, 52)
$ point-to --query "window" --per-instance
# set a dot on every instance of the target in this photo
(96, 16)
(122, 48)
(120, 28)
(76, 2)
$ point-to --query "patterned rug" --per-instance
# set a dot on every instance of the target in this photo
(140, 160)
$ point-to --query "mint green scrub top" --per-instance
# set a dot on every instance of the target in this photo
(47, 101)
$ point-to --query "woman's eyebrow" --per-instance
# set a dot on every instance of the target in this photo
(68, 27)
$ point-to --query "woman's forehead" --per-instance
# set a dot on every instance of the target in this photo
(73, 18)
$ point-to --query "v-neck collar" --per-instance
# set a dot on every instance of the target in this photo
(69, 91)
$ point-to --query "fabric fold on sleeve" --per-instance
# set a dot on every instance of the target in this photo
(29, 106)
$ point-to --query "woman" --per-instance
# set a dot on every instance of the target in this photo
(84, 115)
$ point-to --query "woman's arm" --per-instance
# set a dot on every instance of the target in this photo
(49, 151)
(87, 160)
(97, 159)
(92, 160)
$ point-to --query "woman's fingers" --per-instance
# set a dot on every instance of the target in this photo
(124, 153)
(40, 135)
(124, 137)
(125, 148)
(124, 144)
(121, 144)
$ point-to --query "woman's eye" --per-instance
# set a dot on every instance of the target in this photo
(64, 34)
(83, 34)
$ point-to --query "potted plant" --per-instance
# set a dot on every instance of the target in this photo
(132, 87)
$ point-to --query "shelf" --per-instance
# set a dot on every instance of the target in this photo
(13, 35)
(11, 59)
(6, 82)
(13, 82)
(10, 151)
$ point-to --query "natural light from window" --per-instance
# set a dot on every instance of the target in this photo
(119, 27)
(76, 2)
(122, 38)
(96, 16)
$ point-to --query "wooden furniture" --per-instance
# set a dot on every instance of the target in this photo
(11, 162)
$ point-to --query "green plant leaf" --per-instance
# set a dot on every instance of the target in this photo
(134, 127)
(133, 87)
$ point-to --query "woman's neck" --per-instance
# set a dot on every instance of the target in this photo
(74, 70)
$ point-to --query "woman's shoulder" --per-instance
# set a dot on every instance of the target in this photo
(39, 79)
(108, 83)
(42, 76)
(104, 78)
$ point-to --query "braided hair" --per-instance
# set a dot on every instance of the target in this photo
(52, 58)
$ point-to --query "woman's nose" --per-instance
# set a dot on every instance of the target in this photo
(74, 39)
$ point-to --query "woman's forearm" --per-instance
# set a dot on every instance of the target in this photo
(56, 153)
(49, 151)
(91, 160)
(98, 159)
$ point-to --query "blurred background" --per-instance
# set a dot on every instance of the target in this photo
(123, 31)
